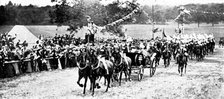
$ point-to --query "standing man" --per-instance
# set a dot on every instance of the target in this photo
(92, 28)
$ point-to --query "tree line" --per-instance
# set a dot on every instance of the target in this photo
(206, 13)
(75, 15)
(12, 14)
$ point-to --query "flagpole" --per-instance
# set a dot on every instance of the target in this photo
(153, 26)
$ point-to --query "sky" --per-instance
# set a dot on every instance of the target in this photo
(142, 2)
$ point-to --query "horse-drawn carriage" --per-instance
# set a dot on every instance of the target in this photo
(140, 61)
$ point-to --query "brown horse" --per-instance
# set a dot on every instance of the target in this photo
(83, 63)
(98, 70)
(166, 56)
(122, 64)
(182, 62)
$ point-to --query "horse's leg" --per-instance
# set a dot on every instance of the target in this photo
(129, 74)
(125, 73)
(185, 68)
(174, 56)
(120, 78)
(84, 90)
(169, 61)
(179, 69)
(98, 83)
(80, 77)
(115, 77)
(93, 85)
(157, 61)
(108, 82)
(105, 81)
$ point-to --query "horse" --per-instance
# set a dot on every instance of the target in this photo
(166, 57)
(98, 70)
(158, 52)
(174, 47)
(122, 64)
(221, 43)
(83, 63)
(211, 46)
(198, 52)
(182, 62)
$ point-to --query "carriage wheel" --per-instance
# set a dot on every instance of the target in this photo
(152, 68)
(141, 72)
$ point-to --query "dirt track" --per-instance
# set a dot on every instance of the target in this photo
(203, 80)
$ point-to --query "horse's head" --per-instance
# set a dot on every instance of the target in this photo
(81, 58)
(117, 57)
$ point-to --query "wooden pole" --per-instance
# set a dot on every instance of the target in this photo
(153, 25)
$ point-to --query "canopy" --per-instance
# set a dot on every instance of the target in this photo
(23, 34)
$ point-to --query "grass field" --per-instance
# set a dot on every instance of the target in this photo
(135, 30)
(51, 30)
(144, 31)
(47, 30)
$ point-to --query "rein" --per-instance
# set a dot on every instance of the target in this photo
(98, 65)
(81, 68)
(120, 61)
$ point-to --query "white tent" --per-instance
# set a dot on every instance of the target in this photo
(23, 34)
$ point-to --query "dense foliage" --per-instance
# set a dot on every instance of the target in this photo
(75, 15)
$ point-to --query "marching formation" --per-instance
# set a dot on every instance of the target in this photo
(108, 58)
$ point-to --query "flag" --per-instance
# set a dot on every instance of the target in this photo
(156, 30)
(187, 12)
(53, 0)
(181, 17)
(178, 30)
(164, 35)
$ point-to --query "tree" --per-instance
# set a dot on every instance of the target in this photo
(10, 3)
(98, 13)
(30, 16)
(141, 18)
(10, 13)
(212, 18)
(198, 17)
(75, 16)
(63, 14)
(207, 13)
(116, 11)
(2, 15)
(171, 13)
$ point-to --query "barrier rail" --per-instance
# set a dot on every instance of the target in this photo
(18, 67)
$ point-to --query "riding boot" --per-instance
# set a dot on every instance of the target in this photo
(103, 60)
(177, 58)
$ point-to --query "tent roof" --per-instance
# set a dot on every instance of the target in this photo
(23, 34)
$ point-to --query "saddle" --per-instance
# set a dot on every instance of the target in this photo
(124, 57)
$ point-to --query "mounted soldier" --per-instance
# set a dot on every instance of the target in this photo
(183, 50)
